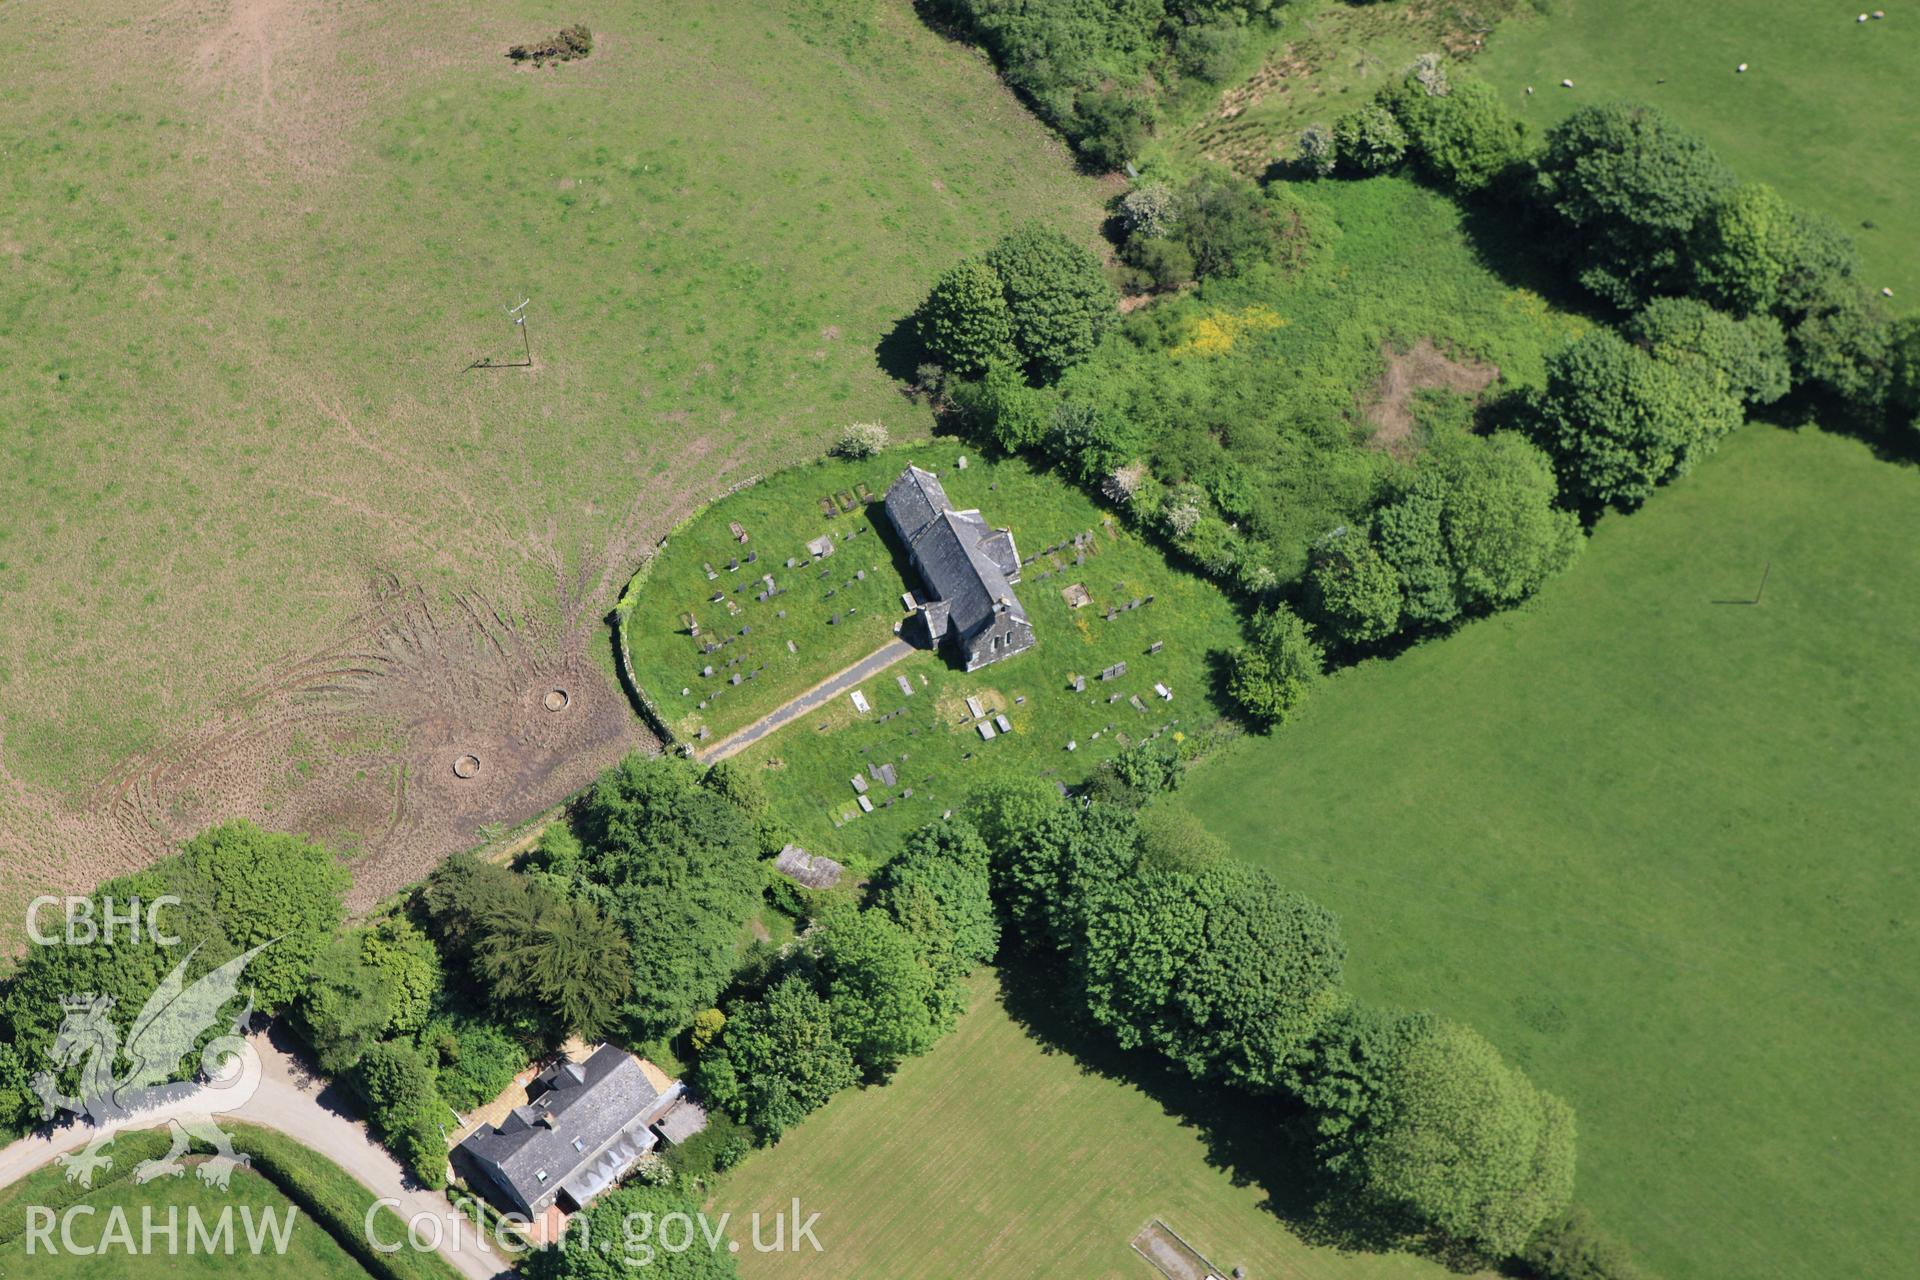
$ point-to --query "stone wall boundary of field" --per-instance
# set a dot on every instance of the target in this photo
(643, 702)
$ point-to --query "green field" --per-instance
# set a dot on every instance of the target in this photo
(311, 1254)
(995, 1157)
(1659, 849)
(246, 256)
(928, 734)
(332, 1217)
(1825, 111)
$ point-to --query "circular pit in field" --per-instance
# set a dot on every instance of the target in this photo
(557, 700)
(466, 766)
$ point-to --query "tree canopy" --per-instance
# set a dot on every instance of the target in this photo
(885, 1003)
(1217, 968)
(1465, 1142)
(270, 887)
(776, 1059)
(676, 865)
(1058, 298)
(1633, 185)
(965, 323)
(1271, 675)
(951, 862)
(1618, 422)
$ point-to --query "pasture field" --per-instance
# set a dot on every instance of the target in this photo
(928, 735)
(1659, 848)
(1825, 111)
(268, 549)
(999, 1157)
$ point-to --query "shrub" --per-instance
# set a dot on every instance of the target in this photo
(1210, 50)
(404, 1104)
(1369, 140)
(1174, 839)
(1464, 136)
(1272, 674)
(1159, 263)
(1148, 210)
(964, 321)
(477, 1059)
(571, 43)
(1226, 223)
(1571, 1247)
(861, 440)
(1005, 408)
(1318, 150)
(1112, 125)
(1148, 768)
(1059, 300)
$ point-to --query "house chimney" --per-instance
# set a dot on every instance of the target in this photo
(546, 1118)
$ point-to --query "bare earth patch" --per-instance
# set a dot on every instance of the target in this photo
(1423, 367)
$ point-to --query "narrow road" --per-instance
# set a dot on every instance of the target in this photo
(287, 1100)
(868, 667)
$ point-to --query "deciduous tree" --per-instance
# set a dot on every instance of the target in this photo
(1218, 968)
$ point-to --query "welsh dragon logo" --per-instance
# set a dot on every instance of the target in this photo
(170, 1023)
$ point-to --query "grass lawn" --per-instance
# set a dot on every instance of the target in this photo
(927, 734)
(1825, 111)
(311, 1253)
(1660, 850)
(994, 1157)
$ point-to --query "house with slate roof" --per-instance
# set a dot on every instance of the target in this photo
(583, 1127)
(969, 570)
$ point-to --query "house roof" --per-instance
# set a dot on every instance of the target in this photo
(963, 561)
(585, 1125)
(681, 1121)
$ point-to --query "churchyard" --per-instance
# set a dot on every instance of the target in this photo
(1102, 600)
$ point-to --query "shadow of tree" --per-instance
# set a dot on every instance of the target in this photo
(1257, 1140)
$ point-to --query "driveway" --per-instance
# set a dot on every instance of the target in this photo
(826, 691)
(289, 1099)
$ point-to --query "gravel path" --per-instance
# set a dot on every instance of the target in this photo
(288, 1099)
(868, 667)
